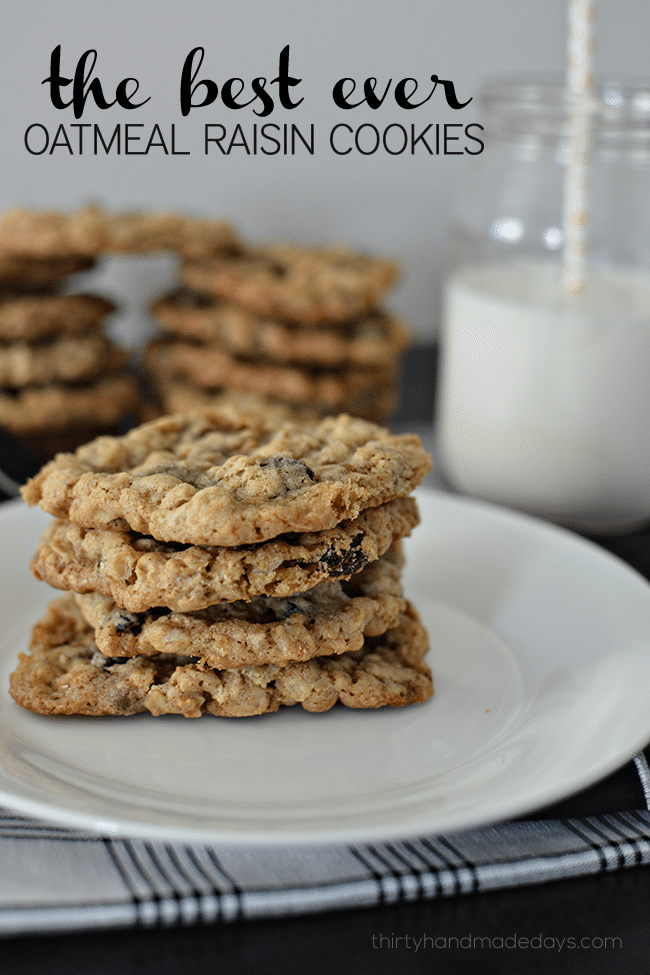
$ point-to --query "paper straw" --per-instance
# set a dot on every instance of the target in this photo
(579, 83)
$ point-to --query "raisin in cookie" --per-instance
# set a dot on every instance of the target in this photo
(139, 572)
(196, 479)
(64, 674)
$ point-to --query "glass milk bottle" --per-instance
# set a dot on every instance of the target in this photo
(544, 394)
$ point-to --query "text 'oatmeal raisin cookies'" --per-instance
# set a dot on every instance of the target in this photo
(195, 479)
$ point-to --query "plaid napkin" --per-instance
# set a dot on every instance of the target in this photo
(55, 880)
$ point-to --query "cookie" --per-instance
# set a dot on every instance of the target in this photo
(64, 674)
(179, 396)
(331, 618)
(30, 317)
(209, 366)
(67, 359)
(92, 231)
(25, 273)
(196, 479)
(296, 283)
(56, 406)
(374, 341)
(376, 404)
(187, 236)
(140, 573)
(182, 396)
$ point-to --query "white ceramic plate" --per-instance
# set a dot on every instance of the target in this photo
(541, 657)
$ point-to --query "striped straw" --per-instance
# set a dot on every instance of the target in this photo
(579, 81)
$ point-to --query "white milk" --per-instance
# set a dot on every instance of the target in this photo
(544, 399)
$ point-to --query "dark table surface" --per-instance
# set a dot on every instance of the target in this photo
(591, 924)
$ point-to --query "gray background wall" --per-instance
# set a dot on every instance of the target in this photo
(392, 204)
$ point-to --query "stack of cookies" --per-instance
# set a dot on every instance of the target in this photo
(283, 324)
(62, 380)
(223, 563)
(299, 325)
